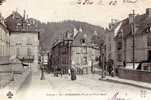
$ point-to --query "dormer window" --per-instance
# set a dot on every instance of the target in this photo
(148, 29)
(83, 41)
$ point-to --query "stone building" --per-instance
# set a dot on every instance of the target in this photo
(142, 39)
(110, 41)
(133, 51)
(24, 37)
(4, 39)
(75, 49)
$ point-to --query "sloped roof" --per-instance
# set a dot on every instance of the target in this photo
(141, 23)
(79, 37)
(15, 22)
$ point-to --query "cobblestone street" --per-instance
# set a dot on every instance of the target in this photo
(85, 86)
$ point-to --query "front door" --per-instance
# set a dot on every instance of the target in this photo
(149, 55)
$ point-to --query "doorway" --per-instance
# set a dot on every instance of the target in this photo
(149, 55)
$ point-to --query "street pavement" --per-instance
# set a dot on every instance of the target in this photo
(86, 87)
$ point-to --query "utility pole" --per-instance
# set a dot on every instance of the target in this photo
(133, 34)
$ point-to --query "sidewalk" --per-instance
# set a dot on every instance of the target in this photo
(14, 86)
(129, 82)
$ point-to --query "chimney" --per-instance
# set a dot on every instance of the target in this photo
(80, 29)
(148, 12)
(131, 18)
(95, 33)
(75, 32)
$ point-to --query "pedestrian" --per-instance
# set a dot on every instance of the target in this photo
(73, 73)
(110, 67)
(42, 73)
(69, 71)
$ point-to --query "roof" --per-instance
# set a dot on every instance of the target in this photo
(2, 24)
(77, 39)
(141, 23)
(16, 22)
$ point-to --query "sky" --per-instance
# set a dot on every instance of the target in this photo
(99, 13)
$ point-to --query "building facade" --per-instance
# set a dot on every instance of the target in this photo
(24, 45)
(24, 37)
(138, 49)
(75, 50)
(4, 39)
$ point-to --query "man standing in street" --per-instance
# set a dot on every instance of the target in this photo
(110, 67)
(73, 73)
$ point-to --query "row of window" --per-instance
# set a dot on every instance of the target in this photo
(19, 51)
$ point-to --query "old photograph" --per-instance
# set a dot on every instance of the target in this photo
(75, 49)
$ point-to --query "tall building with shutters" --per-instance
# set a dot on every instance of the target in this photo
(24, 37)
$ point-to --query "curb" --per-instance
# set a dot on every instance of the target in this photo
(127, 83)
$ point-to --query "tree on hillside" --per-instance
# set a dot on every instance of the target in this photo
(98, 40)
(1, 1)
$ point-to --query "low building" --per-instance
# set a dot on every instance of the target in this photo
(75, 49)
(24, 40)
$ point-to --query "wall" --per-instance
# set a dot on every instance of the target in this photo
(60, 56)
(110, 46)
(144, 76)
(83, 57)
(4, 41)
(141, 48)
(20, 42)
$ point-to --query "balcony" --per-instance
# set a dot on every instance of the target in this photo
(26, 58)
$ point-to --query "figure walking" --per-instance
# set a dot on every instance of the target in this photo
(110, 67)
(73, 73)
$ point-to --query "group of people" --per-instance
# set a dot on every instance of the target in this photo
(71, 72)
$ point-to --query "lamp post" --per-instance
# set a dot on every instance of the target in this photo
(42, 67)
(70, 43)
(102, 52)
(131, 20)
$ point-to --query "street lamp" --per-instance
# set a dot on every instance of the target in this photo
(131, 21)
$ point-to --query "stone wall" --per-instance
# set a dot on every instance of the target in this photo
(137, 75)
(141, 48)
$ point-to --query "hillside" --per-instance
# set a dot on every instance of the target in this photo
(51, 31)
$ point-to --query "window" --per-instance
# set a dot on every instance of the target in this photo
(18, 51)
(119, 57)
(82, 41)
(84, 50)
(84, 60)
(148, 29)
(29, 51)
(119, 45)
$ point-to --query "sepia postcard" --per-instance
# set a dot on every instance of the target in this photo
(75, 49)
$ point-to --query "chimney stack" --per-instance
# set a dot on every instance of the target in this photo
(131, 18)
(75, 32)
